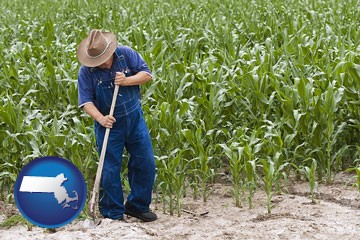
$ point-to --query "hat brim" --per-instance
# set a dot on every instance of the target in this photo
(85, 60)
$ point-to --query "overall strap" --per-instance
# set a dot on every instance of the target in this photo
(122, 61)
(126, 71)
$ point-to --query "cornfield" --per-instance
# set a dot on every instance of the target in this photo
(251, 90)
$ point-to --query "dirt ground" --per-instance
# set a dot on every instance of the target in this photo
(336, 215)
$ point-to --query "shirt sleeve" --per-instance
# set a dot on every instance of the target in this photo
(135, 61)
(86, 91)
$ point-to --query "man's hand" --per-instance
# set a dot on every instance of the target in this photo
(120, 79)
(107, 121)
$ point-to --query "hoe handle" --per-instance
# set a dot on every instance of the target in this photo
(95, 192)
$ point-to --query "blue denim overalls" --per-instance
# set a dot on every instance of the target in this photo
(129, 131)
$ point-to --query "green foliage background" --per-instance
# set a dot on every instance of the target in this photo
(237, 84)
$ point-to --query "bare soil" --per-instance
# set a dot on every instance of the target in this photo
(335, 215)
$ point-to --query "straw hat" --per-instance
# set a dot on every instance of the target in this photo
(97, 48)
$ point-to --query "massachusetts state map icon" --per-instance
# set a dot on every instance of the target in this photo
(50, 192)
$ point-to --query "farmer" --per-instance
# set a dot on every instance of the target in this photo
(105, 64)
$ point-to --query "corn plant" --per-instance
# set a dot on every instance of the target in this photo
(171, 176)
(310, 173)
(358, 177)
(331, 100)
(268, 167)
(251, 149)
(250, 169)
(234, 152)
(200, 163)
